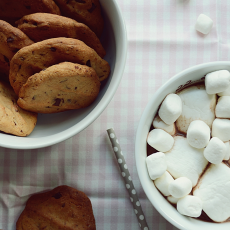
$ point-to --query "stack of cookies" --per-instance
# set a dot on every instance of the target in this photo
(52, 63)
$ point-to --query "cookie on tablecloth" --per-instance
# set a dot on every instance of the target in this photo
(13, 119)
(59, 88)
(41, 55)
(13, 10)
(62, 208)
(41, 26)
(85, 11)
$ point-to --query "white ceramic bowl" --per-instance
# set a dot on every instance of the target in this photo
(159, 202)
(54, 128)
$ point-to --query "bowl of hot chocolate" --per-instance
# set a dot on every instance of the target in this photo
(182, 148)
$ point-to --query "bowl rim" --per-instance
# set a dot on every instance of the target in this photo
(139, 135)
(40, 142)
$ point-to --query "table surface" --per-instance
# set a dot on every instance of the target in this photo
(162, 42)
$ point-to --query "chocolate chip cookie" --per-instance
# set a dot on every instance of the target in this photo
(13, 119)
(61, 208)
(41, 26)
(85, 11)
(13, 10)
(41, 55)
(59, 88)
(12, 39)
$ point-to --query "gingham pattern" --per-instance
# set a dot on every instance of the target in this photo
(162, 42)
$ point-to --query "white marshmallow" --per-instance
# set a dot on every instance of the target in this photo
(156, 164)
(221, 129)
(160, 140)
(185, 161)
(162, 183)
(172, 200)
(190, 206)
(170, 108)
(217, 81)
(227, 154)
(213, 189)
(225, 93)
(215, 151)
(223, 107)
(198, 134)
(196, 105)
(203, 24)
(159, 124)
(180, 187)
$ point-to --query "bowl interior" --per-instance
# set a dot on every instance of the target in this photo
(159, 202)
(53, 128)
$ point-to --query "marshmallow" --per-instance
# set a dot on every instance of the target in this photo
(159, 124)
(160, 140)
(180, 187)
(227, 154)
(196, 105)
(225, 93)
(203, 24)
(170, 108)
(162, 183)
(217, 82)
(198, 134)
(221, 129)
(223, 107)
(215, 151)
(172, 199)
(185, 161)
(156, 164)
(213, 189)
(190, 206)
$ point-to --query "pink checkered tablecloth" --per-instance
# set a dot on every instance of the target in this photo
(162, 41)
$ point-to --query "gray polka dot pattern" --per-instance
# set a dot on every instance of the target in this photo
(127, 180)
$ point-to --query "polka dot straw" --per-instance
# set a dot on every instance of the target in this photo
(127, 179)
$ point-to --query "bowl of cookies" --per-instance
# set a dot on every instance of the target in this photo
(182, 148)
(60, 65)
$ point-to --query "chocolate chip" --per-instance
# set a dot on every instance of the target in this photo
(19, 67)
(44, 69)
(92, 8)
(75, 88)
(25, 21)
(53, 49)
(35, 23)
(33, 98)
(69, 100)
(57, 195)
(63, 205)
(6, 59)
(88, 63)
(10, 39)
(58, 101)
